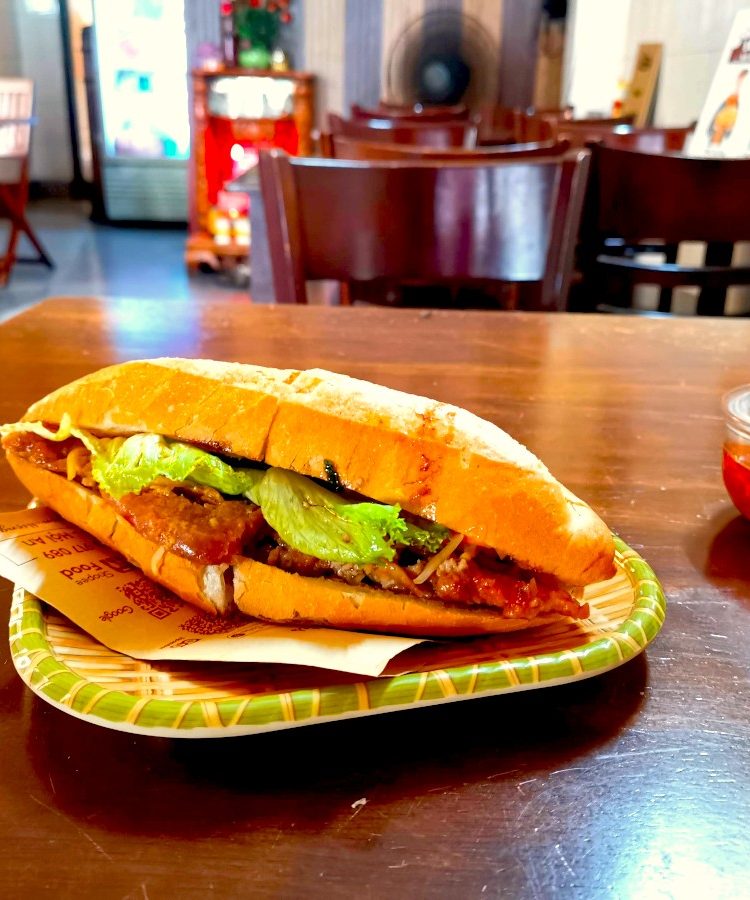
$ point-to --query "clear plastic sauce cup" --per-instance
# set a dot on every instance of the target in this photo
(736, 457)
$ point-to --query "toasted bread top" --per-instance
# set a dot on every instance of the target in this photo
(435, 460)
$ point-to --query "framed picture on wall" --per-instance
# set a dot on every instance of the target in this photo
(723, 128)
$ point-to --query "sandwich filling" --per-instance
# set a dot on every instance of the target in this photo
(215, 510)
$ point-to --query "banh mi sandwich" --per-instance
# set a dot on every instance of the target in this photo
(309, 497)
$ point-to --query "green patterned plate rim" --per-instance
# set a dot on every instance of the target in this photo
(73, 672)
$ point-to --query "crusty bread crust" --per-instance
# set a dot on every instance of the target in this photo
(203, 586)
(260, 591)
(435, 460)
(274, 595)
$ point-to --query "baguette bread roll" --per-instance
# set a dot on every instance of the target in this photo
(435, 460)
(203, 586)
(259, 590)
(264, 592)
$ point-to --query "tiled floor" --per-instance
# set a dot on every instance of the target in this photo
(105, 261)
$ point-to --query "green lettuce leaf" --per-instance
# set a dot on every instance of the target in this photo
(307, 516)
(142, 458)
(127, 465)
(314, 520)
(431, 537)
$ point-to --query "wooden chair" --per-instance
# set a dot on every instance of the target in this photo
(645, 202)
(537, 125)
(507, 124)
(579, 132)
(423, 222)
(414, 113)
(16, 104)
(340, 147)
(497, 125)
(428, 134)
(648, 140)
(582, 132)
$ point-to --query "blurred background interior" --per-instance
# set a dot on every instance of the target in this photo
(130, 134)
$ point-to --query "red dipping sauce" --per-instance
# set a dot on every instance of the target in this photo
(736, 459)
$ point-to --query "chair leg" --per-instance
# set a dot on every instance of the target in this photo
(19, 224)
(7, 210)
(9, 259)
(31, 235)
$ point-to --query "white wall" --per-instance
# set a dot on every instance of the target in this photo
(604, 36)
(595, 48)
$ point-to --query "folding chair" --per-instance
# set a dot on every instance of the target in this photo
(16, 103)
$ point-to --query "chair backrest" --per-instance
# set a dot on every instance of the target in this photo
(428, 134)
(643, 196)
(648, 140)
(518, 125)
(414, 113)
(511, 222)
(532, 127)
(340, 147)
(652, 202)
(581, 132)
(16, 106)
(497, 124)
(500, 117)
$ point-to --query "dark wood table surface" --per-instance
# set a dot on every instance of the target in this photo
(633, 783)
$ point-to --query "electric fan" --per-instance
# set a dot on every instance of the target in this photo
(443, 58)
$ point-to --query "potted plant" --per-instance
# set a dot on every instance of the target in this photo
(257, 24)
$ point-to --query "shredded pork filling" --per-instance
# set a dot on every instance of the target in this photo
(200, 523)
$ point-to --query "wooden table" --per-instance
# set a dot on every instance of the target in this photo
(634, 783)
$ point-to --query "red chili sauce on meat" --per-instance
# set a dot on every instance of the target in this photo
(198, 524)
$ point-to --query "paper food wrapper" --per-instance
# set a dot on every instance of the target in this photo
(116, 603)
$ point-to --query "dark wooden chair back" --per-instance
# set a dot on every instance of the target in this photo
(515, 124)
(414, 113)
(497, 125)
(502, 117)
(427, 222)
(426, 134)
(581, 132)
(340, 147)
(533, 128)
(646, 201)
(648, 140)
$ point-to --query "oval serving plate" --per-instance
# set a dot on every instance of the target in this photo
(72, 671)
